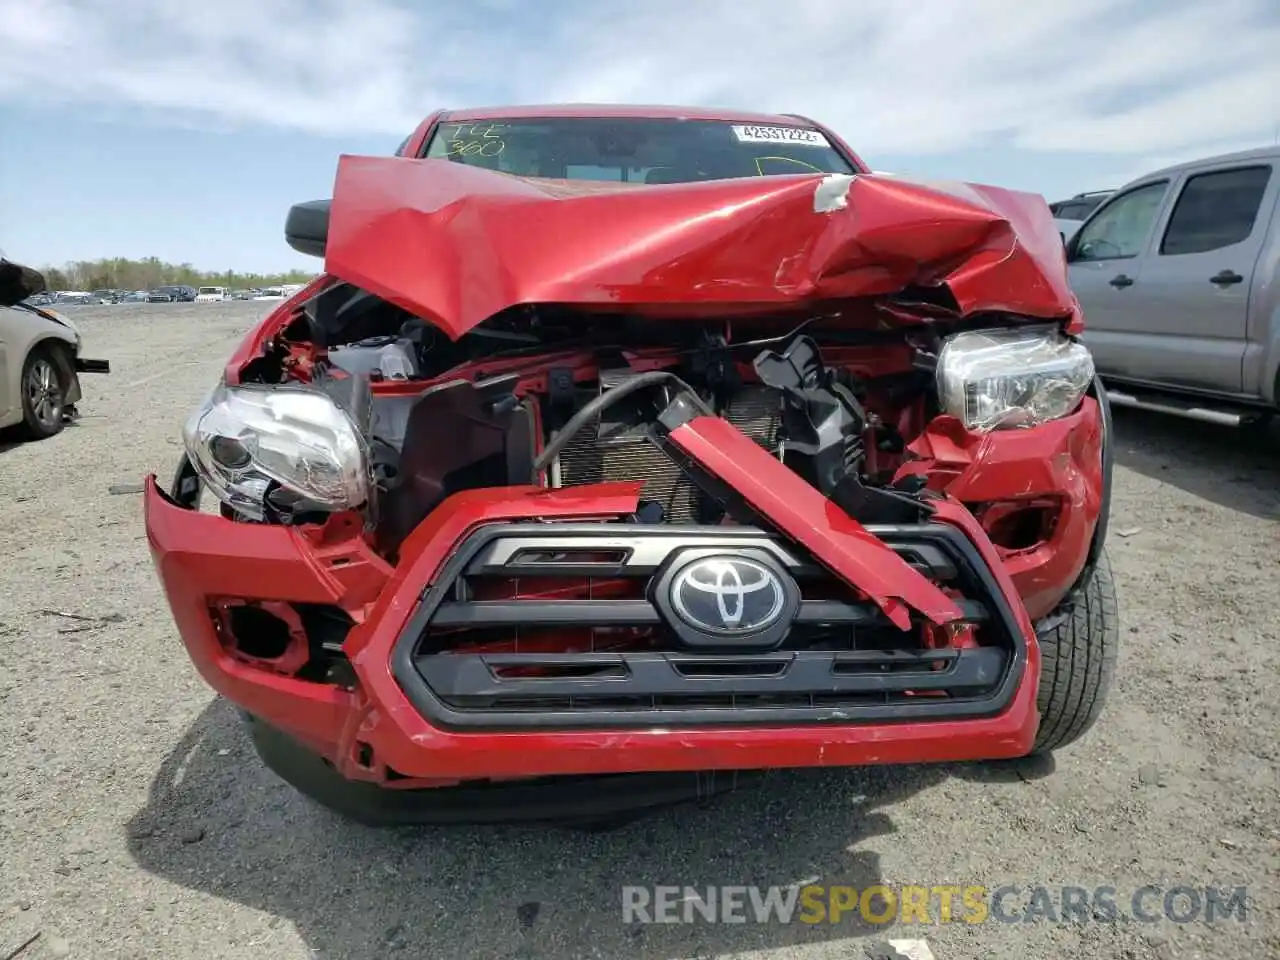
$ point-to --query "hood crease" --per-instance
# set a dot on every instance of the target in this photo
(457, 244)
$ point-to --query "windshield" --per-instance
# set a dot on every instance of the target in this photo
(636, 150)
(210, 289)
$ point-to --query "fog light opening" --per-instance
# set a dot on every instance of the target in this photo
(258, 633)
(1019, 525)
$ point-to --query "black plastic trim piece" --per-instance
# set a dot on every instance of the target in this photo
(613, 613)
(1108, 468)
(477, 681)
(306, 227)
(85, 365)
(590, 800)
(460, 674)
(186, 485)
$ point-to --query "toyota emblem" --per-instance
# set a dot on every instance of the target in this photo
(727, 595)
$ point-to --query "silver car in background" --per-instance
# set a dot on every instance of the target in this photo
(1178, 273)
(40, 361)
(1079, 207)
(1067, 228)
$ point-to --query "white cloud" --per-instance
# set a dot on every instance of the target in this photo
(1120, 174)
(314, 66)
(1137, 79)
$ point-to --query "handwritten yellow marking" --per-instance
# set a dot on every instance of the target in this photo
(474, 148)
(479, 131)
(798, 163)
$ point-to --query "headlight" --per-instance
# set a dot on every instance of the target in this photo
(997, 379)
(288, 447)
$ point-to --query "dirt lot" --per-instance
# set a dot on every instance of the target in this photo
(135, 821)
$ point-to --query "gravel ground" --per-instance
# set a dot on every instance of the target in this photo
(135, 820)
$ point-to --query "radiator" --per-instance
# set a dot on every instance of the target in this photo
(607, 450)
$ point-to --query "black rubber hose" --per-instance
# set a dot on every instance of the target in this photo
(601, 403)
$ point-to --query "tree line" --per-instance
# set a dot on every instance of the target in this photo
(121, 273)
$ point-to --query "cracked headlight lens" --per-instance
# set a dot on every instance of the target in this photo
(292, 448)
(1009, 378)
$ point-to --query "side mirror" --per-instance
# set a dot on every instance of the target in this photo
(306, 228)
(18, 282)
(1071, 244)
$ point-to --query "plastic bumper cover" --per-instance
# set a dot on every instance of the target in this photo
(374, 732)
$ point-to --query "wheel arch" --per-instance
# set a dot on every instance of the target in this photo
(63, 352)
(62, 349)
(1099, 541)
(1098, 544)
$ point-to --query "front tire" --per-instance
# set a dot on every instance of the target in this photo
(1078, 661)
(43, 395)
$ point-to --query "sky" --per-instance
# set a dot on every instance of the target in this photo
(184, 129)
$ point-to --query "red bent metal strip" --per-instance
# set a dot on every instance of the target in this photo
(802, 512)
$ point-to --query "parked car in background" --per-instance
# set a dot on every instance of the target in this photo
(179, 293)
(1178, 273)
(269, 293)
(134, 296)
(242, 294)
(1067, 228)
(159, 295)
(211, 294)
(1080, 206)
(40, 360)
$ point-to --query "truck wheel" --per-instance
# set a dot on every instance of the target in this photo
(43, 394)
(1078, 661)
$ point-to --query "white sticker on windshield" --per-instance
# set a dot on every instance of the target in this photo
(798, 136)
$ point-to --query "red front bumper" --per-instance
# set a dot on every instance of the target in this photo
(374, 727)
(201, 558)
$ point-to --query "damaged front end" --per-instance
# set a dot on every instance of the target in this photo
(553, 479)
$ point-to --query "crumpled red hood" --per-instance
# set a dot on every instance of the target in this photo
(457, 244)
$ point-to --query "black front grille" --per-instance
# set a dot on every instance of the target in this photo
(560, 625)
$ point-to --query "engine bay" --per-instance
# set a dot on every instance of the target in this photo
(561, 399)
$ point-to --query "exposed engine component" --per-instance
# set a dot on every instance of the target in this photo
(385, 357)
(824, 421)
(617, 446)
(825, 429)
(456, 436)
(459, 435)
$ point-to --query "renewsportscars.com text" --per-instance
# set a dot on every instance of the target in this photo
(946, 903)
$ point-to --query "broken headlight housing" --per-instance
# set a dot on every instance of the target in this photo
(1005, 378)
(277, 451)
